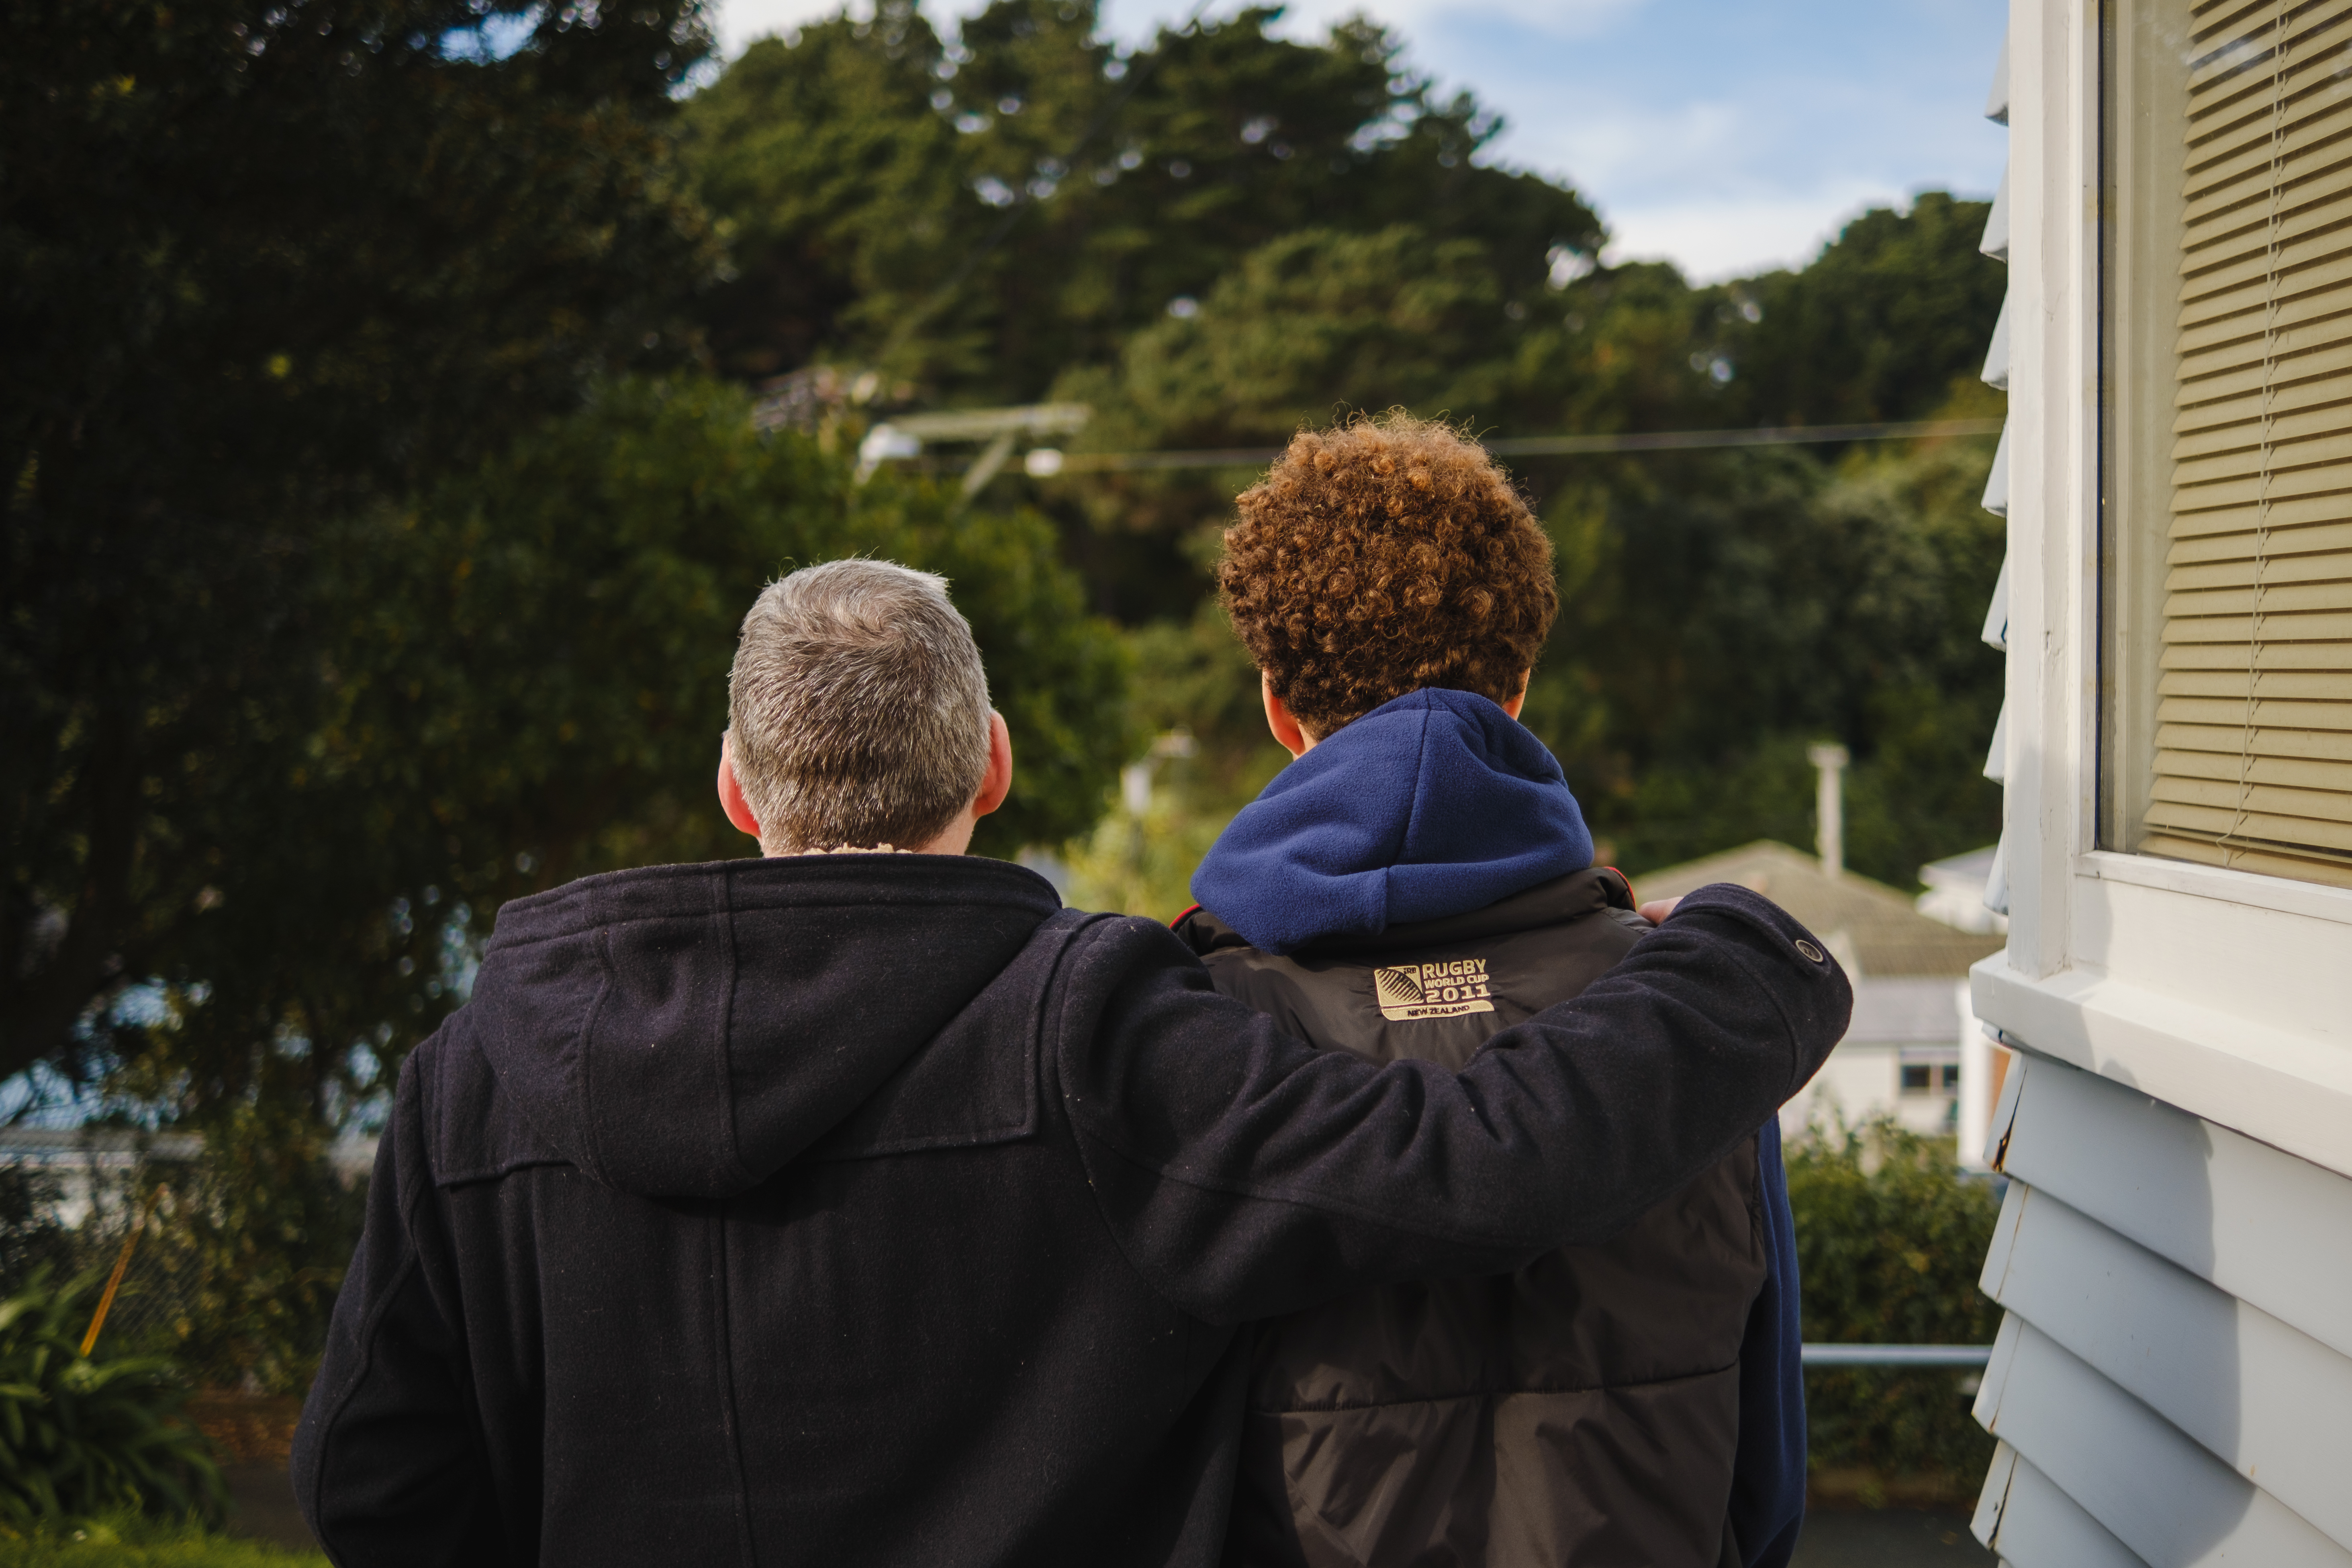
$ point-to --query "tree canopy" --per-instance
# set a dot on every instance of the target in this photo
(353, 584)
(383, 491)
(975, 218)
(383, 488)
(262, 261)
(1225, 233)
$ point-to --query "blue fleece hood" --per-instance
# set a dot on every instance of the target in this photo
(1435, 805)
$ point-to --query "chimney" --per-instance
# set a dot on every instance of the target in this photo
(1829, 807)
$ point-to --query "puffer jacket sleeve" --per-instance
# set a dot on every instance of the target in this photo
(1768, 1473)
(389, 1464)
(1247, 1174)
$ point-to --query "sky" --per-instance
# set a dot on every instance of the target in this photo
(1727, 136)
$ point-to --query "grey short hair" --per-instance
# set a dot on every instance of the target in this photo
(858, 709)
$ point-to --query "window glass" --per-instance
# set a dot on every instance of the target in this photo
(2226, 593)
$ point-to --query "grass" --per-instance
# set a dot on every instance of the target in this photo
(121, 1541)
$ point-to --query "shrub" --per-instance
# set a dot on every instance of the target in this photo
(30, 1234)
(1891, 1238)
(245, 1263)
(84, 1435)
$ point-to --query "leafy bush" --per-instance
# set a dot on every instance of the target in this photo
(128, 1540)
(80, 1436)
(1891, 1238)
(241, 1266)
(30, 1234)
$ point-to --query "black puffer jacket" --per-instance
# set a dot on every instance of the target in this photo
(870, 1209)
(1583, 1411)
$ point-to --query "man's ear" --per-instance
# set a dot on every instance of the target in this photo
(730, 792)
(997, 781)
(1280, 719)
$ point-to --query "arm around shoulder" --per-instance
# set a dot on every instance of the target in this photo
(1248, 1173)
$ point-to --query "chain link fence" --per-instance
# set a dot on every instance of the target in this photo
(87, 1201)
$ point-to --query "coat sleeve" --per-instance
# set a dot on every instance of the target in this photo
(1247, 1174)
(389, 1464)
(1768, 1475)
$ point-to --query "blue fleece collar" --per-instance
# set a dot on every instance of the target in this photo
(1435, 805)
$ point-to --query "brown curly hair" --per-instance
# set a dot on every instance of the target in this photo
(1382, 556)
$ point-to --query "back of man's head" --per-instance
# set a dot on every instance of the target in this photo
(858, 709)
(1382, 556)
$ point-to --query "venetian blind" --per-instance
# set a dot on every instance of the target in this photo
(2253, 765)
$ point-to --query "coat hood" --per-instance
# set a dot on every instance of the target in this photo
(1433, 805)
(685, 1031)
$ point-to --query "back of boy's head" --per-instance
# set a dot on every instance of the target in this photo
(1382, 556)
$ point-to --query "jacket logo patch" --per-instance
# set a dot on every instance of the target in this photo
(1446, 990)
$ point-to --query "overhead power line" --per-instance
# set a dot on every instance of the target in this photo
(1555, 446)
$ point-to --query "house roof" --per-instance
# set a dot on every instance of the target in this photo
(1905, 1010)
(1872, 928)
(1972, 869)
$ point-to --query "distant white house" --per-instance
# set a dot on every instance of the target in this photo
(90, 1166)
(1908, 1051)
(1956, 892)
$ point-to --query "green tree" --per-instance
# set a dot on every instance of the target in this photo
(1742, 604)
(840, 188)
(978, 217)
(1318, 322)
(523, 681)
(1324, 323)
(259, 264)
(526, 684)
(1877, 327)
(1317, 319)
(250, 1248)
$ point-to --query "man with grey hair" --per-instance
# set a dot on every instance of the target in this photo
(859, 716)
(858, 1204)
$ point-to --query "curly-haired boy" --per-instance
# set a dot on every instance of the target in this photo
(1418, 879)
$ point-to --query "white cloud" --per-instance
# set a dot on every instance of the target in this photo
(1630, 145)
(740, 21)
(1421, 20)
(1715, 238)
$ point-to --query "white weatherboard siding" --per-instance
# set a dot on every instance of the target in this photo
(2245, 1388)
(2153, 1488)
(2032, 1523)
(2138, 1370)
(2173, 1381)
(1996, 490)
(2242, 1216)
(2258, 1395)
(1996, 365)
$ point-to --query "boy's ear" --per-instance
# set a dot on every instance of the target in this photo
(1518, 699)
(1280, 719)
